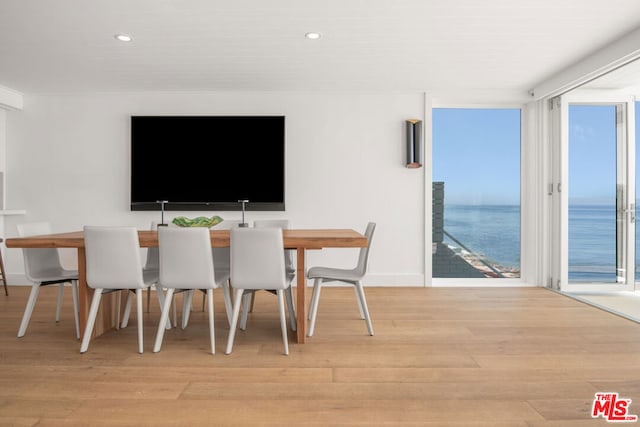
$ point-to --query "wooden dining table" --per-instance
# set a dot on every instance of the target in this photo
(299, 240)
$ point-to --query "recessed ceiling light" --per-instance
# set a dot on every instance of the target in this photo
(123, 37)
(312, 36)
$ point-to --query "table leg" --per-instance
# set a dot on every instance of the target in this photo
(301, 315)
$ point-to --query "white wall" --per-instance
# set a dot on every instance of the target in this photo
(68, 163)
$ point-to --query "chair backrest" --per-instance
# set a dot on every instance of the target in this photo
(113, 257)
(227, 224)
(186, 261)
(284, 225)
(363, 258)
(257, 258)
(153, 255)
(34, 229)
(278, 223)
(222, 256)
(39, 263)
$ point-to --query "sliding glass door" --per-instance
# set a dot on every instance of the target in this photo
(594, 193)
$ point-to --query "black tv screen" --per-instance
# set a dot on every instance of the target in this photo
(208, 162)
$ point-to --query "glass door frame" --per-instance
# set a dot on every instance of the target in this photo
(559, 186)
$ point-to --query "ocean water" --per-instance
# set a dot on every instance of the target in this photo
(592, 243)
(493, 231)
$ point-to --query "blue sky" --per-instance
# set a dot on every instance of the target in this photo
(592, 154)
(476, 152)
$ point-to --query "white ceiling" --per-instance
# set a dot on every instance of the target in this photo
(199, 45)
(625, 78)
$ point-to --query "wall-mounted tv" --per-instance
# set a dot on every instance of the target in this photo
(208, 162)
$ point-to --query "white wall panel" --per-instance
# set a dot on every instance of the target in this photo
(68, 159)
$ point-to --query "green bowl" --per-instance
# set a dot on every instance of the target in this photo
(200, 221)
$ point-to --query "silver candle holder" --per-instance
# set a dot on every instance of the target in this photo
(243, 224)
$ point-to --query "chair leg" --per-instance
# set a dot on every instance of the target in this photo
(246, 301)
(211, 323)
(253, 300)
(160, 295)
(228, 304)
(91, 320)
(127, 311)
(148, 298)
(118, 297)
(363, 303)
(292, 312)
(172, 323)
(59, 304)
(314, 308)
(31, 302)
(355, 289)
(234, 320)
(187, 300)
(140, 325)
(283, 320)
(74, 292)
(314, 297)
(175, 314)
(164, 319)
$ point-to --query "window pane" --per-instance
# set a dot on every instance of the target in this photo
(476, 203)
(592, 193)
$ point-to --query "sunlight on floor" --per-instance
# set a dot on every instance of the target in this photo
(625, 304)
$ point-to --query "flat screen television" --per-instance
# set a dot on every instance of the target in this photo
(208, 162)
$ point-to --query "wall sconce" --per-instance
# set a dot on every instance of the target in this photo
(414, 143)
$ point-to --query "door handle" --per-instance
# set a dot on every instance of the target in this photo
(631, 211)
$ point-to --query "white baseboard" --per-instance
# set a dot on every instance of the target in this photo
(384, 280)
(400, 279)
(17, 280)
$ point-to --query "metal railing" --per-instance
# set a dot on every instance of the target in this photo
(477, 256)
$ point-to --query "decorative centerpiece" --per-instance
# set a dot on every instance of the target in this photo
(201, 221)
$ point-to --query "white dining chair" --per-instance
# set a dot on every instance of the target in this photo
(352, 276)
(290, 270)
(221, 262)
(113, 263)
(257, 262)
(222, 256)
(186, 264)
(152, 268)
(152, 264)
(42, 268)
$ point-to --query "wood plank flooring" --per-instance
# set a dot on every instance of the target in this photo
(440, 357)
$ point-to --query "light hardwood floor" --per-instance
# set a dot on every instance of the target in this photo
(440, 357)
